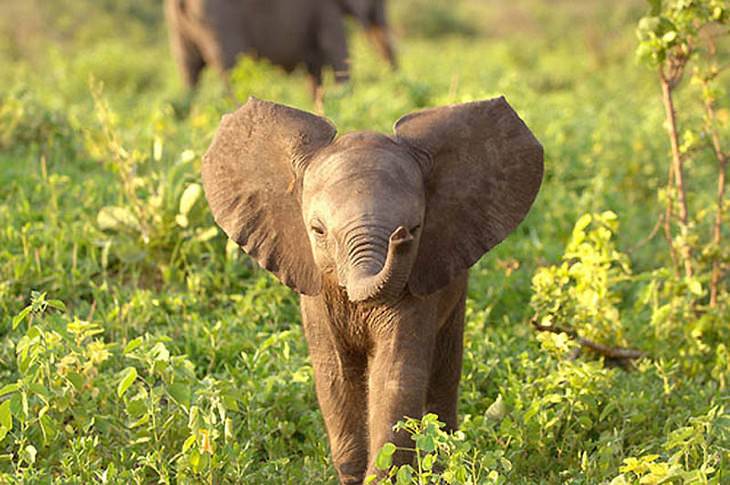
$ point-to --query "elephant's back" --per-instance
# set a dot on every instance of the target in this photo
(283, 31)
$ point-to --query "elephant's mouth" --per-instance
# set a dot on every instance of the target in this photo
(364, 284)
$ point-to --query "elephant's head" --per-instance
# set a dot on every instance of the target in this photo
(377, 214)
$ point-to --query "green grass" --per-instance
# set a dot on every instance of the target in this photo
(94, 120)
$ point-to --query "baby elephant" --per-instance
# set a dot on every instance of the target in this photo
(376, 232)
(286, 32)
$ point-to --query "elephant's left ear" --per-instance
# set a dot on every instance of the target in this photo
(486, 169)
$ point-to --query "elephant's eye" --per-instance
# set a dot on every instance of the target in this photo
(318, 229)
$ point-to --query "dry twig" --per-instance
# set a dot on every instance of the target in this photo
(620, 354)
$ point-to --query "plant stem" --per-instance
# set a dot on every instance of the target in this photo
(678, 172)
(667, 222)
(721, 170)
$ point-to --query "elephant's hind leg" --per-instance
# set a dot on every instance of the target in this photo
(380, 38)
(189, 60)
(315, 85)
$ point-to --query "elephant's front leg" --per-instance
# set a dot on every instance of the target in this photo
(398, 382)
(339, 378)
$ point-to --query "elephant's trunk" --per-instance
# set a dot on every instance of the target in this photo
(363, 284)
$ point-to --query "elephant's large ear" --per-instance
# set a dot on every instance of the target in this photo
(252, 179)
(485, 171)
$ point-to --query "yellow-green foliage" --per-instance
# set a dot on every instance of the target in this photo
(578, 294)
(140, 346)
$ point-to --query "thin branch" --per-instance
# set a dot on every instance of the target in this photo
(719, 214)
(652, 234)
(678, 166)
(711, 127)
(616, 353)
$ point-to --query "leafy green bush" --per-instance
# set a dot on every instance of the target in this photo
(579, 294)
(26, 122)
(440, 457)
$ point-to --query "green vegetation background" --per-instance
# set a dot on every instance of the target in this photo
(175, 359)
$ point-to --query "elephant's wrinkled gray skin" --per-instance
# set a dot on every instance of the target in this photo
(371, 14)
(286, 32)
(377, 233)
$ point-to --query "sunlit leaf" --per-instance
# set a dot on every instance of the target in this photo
(116, 218)
(6, 418)
(128, 377)
(190, 195)
(497, 410)
(384, 458)
(18, 319)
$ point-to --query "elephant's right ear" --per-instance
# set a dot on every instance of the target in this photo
(252, 179)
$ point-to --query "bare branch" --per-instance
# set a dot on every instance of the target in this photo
(678, 171)
(616, 353)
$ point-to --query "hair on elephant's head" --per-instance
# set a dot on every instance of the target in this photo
(378, 214)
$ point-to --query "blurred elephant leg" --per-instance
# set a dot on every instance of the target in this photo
(340, 384)
(398, 381)
(189, 59)
(315, 86)
(222, 58)
(380, 37)
(379, 34)
(443, 387)
(332, 40)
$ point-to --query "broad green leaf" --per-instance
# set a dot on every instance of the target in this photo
(193, 418)
(128, 377)
(426, 443)
(404, 475)
(188, 443)
(190, 195)
(76, 379)
(38, 389)
(6, 417)
(428, 461)
(132, 344)
(385, 456)
(57, 304)
(18, 319)
(230, 402)
(695, 287)
(7, 389)
(497, 410)
(143, 420)
(668, 37)
(160, 352)
(29, 454)
(180, 392)
(206, 234)
(582, 223)
(115, 218)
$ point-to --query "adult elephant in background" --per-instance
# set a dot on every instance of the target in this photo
(371, 14)
(286, 32)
